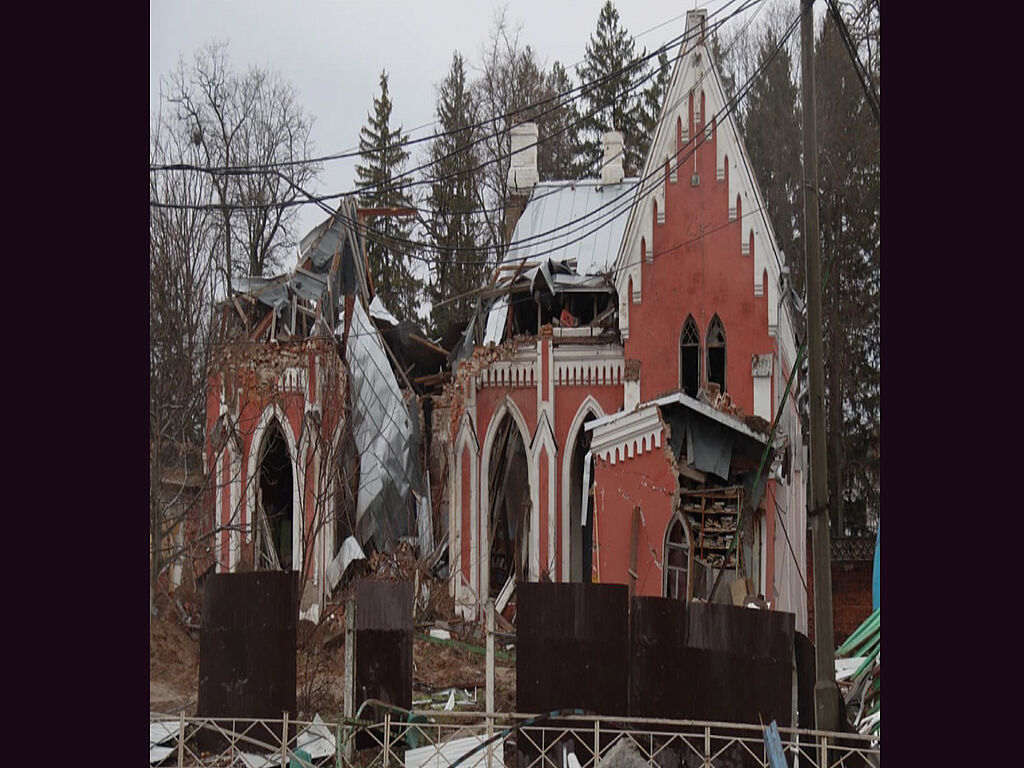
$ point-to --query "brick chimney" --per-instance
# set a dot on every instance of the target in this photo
(611, 167)
(522, 174)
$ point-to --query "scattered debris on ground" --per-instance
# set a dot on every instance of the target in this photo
(452, 659)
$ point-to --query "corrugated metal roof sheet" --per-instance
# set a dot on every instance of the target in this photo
(592, 243)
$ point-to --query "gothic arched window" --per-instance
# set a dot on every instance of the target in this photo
(716, 352)
(689, 357)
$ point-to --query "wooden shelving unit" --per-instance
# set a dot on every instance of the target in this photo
(712, 514)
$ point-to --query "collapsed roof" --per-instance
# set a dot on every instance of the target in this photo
(384, 420)
(565, 241)
(288, 305)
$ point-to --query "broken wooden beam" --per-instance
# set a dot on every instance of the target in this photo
(264, 324)
(692, 474)
(432, 379)
(241, 314)
(429, 344)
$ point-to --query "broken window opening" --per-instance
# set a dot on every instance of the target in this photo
(689, 357)
(346, 488)
(510, 507)
(712, 513)
(581, 537)
(716, 352)
(586, 308)
(275, 501)
(677, 559)
(525, 314)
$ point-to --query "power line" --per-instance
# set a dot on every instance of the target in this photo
(638, 191)
(634, 193)
(866, 83)
(730, 105)
(229, 169)
(430, 180)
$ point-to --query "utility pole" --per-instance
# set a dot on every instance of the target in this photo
(826, 692)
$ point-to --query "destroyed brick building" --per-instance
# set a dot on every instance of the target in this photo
(606, 413)
(612, 401)
(312, 447)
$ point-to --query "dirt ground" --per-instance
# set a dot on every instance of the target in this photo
(173, 662)
(320, 662)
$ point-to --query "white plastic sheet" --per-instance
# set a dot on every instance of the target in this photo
(316, 739)
(350, 550)
(443, 755)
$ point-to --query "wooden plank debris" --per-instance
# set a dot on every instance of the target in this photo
(428, 344)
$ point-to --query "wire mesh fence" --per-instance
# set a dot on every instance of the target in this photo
(431, 739)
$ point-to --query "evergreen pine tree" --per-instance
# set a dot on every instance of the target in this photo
(848, 213)
(452, 200)
(654, 95)
(558, 131)
(384, 156)
(607, 103)
(723, 65)
(848, 180)
(771, 129)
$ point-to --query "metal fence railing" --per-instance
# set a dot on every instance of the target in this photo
(431, 739)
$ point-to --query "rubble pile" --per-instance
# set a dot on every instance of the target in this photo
(722, 401)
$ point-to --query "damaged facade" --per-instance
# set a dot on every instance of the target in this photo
(612, 401)
(313, 448)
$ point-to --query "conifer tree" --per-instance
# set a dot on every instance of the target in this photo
(848, 214)
(608, 103)
(558, 131)
(848, 179)
(453, 226)
(384, 156)
(653, 97)
(772, 134)
(724, 65)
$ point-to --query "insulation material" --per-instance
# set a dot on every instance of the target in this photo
(424, 532)
(385, 437)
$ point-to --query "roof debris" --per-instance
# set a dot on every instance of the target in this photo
(859, 674)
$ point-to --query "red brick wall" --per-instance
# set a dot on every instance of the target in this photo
(648, 481)
(851, 595)
(698, 269)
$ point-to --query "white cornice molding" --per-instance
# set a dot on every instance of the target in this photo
(631, 434)
(588, 366)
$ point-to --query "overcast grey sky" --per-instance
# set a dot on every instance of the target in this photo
(333, 52)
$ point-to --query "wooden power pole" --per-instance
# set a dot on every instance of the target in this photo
(826, 692)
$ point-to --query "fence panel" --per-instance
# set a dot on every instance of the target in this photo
(429, 739)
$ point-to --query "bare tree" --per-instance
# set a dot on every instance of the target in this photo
(511, 78)
(183, 248)
(255, 138)
(241, 141)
